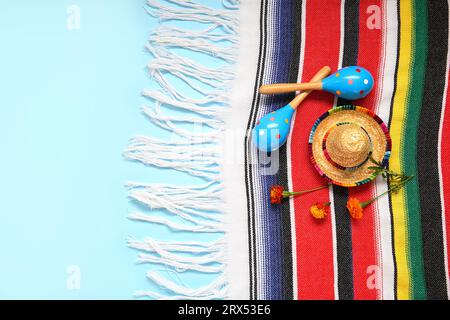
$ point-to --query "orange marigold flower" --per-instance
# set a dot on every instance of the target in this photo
(276, 194)
(355, 208)
(319, 210)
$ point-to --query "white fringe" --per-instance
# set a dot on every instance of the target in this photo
(183, 155)
(188, 10)
(203, 227)
(217, 289)
(193, 247)
(199, 45)
(174, 262)
(193, 209)
(181, 67)
(163, 253)
(173, 102)
(169, 123)
(195, 76)
(188, 203)
(205, 34)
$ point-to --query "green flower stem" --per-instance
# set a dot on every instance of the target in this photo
(287, 194)
(395, 188)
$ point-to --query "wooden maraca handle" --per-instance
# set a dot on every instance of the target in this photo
(289, 87)
(319, 76)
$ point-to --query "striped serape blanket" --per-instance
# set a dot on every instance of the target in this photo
(399, 249)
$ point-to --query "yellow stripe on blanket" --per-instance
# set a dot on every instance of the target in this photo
(397, 127)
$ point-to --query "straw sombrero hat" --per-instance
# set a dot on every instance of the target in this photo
(342, 141)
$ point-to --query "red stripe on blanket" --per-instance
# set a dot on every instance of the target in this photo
(315, 271)
(364, 241)
(445, 169)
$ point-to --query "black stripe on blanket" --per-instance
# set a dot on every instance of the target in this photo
(428, 149)
(340, 194)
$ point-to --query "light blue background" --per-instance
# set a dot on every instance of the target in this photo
(69, 103)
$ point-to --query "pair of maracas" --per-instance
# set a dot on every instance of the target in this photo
(272, 130)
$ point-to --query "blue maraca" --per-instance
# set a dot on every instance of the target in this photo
(272, 130)
(350, 83)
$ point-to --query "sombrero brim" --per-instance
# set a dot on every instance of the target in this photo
(375, 128)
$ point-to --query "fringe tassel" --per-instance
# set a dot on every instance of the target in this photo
(194, 247)
(188, 10)
(170, 123)
(183, 155)
(207, 228)
(208, 34)
(178, 104)
(215, 290)
(195, 76)
(193, 209)
(202, 201)
(180, 266)
(199, 45)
